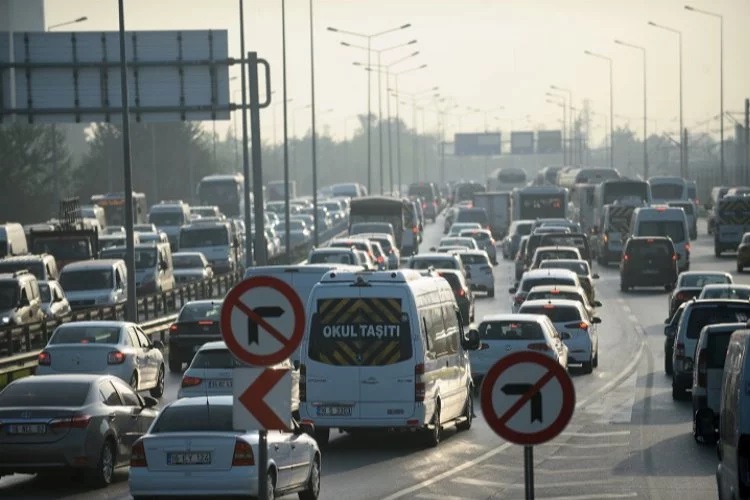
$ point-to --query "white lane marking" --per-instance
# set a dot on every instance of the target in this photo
(434, 496)
(588, 446)
(624, 374)
(450, 472)
(569, 484)
(539, 470)
(596, 434)
(481, 482)
(577, 457)
(603, 496)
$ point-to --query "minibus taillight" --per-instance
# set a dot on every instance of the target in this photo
(419, 385)
(702, 367)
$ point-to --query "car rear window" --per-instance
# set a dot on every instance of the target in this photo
(655, 249)
(23, 394)
(713, 314)
(717, 345)
(556, 254)
(675, 230)
(528, 284)
(556, 314)
(194, 418)
(201, 311)
(214, 358)
(86, 335)
(359, 332)
(510, 330)
(701, 280)
(330, 258)
(435, 263)
(472, 215)
(727, 293)
(472, 258)
(580, 268)
(554, 295)
(452, 280)
(524, 229)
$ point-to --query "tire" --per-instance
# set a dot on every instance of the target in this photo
(432, 436)
(312, 488)
(134, 381)
(491, 293)
(158, 390)
(587, 367)
(175, 365)
(101, 475)
(623, 287)
(717, 251)
(740, 268)
(468, 412)
(595, 362)
(322, 436)
(270, 489)
(678, 393)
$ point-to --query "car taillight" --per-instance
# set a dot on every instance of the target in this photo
(625, 257)
(381, 259)
(115, 358)
(302, 383)
(519, 298)
(538, 346)
(173, 329)
(702, 367)
(679, 350)
(461, 292)
(687, 247)
(44, 358)
(680, 296)
(138, 455)
(581, 325)
(74, 422)
(419, 385)
(188, 381)
(414, 229)
(676, 256)
(243, 454)
(424, 205)
(205, 322)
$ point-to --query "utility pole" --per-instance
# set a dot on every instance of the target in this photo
(747, 141)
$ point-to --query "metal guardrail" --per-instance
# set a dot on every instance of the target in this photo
(22, 344)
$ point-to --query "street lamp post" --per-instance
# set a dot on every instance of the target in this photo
(314, 146)
(369, 37)
(415, 96)
(683, 163)
(645, 108)
(398, 118)
(611, 108)
(721, 82)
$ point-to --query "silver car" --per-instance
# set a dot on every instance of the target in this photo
(80, 421)
(191, 266)
(54, 303)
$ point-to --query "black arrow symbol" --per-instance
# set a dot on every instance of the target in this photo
(536, 399)
(263, 312)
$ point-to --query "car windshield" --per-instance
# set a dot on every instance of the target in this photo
(200, 418)
(198, 311)
(700, 280)
(738, 293)
(434, 263)
(711, 314)
(330, 258)
(214, 358)
(204, 237)
(35, 267)
(8, 295)
(510, 330)
(60, 393)
(87, 279)
(556, 314)
(187, 261)
(675, 230)
(581, 268)
(74, 334)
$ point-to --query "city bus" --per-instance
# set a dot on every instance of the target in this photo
(226, 191)
(664, 188)
(539, 202)
(586, 175)
(113, 205)
(631, 192)
(399, 212)
(507, 179)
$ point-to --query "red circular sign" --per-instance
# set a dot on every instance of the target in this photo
(234, 300)
(499, 423)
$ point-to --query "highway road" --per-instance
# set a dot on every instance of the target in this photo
(627, 438)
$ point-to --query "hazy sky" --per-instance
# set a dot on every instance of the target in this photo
(481, 53)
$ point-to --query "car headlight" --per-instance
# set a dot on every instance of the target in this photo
(5, 320)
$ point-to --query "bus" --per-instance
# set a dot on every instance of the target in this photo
(547, 176)
(464, 191)
(539, 202)
(664, 188)
(507, 179)
(586, 175)
(399, 212)
(226, 191)
(629, 192)
(113, 205)
(582, 205)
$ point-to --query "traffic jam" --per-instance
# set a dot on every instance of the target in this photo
(377, 330)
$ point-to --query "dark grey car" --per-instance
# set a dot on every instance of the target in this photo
(58, 422)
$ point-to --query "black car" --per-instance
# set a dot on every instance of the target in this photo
(462, 292)
(648, 261)
(670, 330)
(197, 323)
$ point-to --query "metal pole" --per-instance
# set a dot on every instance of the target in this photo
(314, 137)
(390, 142)
(645, 122)
(380, 126)
(369, 119)
(683, 164)
(131, 310)
(528, 471)
(721, 95)
(153, 162)
(287, 214)
(398, 138)
(415, 138)
(565, 133)
(611, 120)
(245, 148)
(260, 236)
(685, 142)
(747, 141)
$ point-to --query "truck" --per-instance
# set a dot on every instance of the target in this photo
(732, 220)
(275, 190)
(497, 206)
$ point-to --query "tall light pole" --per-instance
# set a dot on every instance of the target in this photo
(314, 139)
(415, 96)
(394, 92)
(566, 136)
(67, 23)
(721, 81)
(645, 108)
(611, 108)
(571, 132)
(683, 164)
(369, 37)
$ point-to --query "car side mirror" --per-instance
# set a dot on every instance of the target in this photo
(304, 428)
(512, 289)
(149, 402)
(158, 344)
(666, 321)
(472, 341)
(597, 303)
(669, 331)
(595, 276)
(596, 320)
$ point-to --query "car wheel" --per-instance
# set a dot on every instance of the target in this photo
(322, 435)
(432, 436)
(101, 475)
(678, 393)
(595, 362)
(587, 366)
(270, 490)
(134, 381)
(175, 365)
(668, 365)
(491, 293)
(468, 413)
(312, 488)
(158, 390)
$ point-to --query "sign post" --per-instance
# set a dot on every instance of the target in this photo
(262, 323)
(527, 398)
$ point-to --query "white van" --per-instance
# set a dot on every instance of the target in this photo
(375, 353)
(154, 270)
(91, 283)
(169, 217)
(734, 420)
(12, 240)
(664, 221)
(214, 240)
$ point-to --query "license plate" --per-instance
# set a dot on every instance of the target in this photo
(334, 411)
(224, 383)
(27, 429)
(189, 458)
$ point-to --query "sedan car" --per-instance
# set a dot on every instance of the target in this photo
(690, 284)
(193, 449)
(733, 291)
(191, 266)
(74, 421)
(581, 268)
(119, 348)
(54, 303)
(484, 240)
(197, 323)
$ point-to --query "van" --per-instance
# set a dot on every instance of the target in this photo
(43, 266)
(169, 217)
(117, 240)
(12, 240)
(92, 283)
(154, 270)
(690, 212)
(734, 420)
(664, 221)
(375, 353)
(20, 300)
(214, 240)
(708, 372)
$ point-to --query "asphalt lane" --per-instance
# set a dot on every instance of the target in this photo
(627, 438)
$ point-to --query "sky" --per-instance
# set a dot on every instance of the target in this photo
(498, 56)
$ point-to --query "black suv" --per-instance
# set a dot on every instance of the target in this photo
(648, 261)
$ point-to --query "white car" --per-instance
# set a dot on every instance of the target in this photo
(210, 373)
(503, 334)
(193, 449)
(457, 227)
(191, 266)
(459, 241)
(479, 271)
(724, 291)
(116, 348)
(576, 328)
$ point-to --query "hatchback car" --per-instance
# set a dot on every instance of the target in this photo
(478, 270)
(119, 348)
(67, 422)
(733, 291)
(484, 240)
(581, 268)
(197, 323)
(690, 284)
(648, 261)
(191, 266)
(537, 277)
